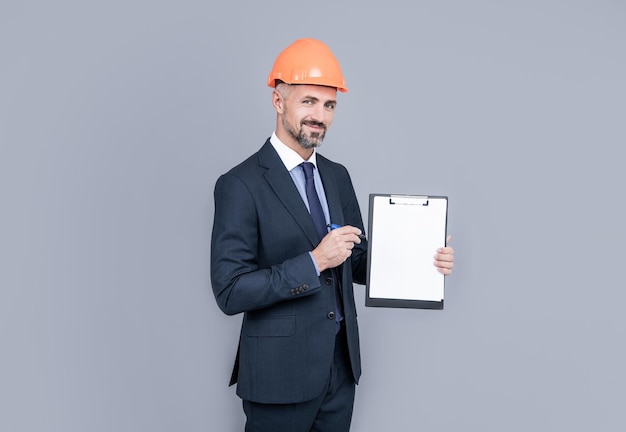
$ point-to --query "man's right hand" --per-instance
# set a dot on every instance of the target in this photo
(336, 247)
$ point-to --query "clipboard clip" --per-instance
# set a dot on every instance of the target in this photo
(408, 200)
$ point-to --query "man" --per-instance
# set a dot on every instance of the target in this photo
(275, 258)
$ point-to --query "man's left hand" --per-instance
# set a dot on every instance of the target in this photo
(444, 258)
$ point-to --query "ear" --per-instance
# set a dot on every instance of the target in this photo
(278, 102)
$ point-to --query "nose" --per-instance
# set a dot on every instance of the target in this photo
(321, 115)
(318, 113)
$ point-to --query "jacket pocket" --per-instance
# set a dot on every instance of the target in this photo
(271, 327)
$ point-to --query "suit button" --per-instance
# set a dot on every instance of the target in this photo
(305, 287)
(329, 281)
(331, 315)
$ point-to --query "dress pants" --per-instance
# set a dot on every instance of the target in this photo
(329, 412)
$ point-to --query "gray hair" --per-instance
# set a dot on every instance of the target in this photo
(284, 89)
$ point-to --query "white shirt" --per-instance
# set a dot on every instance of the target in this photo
(292, 161)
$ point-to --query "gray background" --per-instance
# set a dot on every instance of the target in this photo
(116, 118)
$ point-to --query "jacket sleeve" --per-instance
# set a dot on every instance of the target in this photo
(239, 284)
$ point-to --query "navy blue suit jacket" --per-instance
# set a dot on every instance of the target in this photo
(260, 265)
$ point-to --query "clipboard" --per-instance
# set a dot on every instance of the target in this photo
(404, 234)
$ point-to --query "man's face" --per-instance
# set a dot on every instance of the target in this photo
(308, 113)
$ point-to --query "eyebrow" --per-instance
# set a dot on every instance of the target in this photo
(316, 99)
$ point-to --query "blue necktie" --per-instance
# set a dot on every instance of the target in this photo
(314, 202)
(320, 225)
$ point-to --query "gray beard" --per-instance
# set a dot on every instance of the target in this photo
(304, 141)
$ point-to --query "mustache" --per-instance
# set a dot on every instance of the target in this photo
(314, 123)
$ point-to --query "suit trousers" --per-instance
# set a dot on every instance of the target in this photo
(329, 412)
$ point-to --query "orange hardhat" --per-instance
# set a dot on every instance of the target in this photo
(307, 61)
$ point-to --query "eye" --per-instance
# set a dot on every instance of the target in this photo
(307, 101)
(330, 105)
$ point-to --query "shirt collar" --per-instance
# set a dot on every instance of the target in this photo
(290, 158)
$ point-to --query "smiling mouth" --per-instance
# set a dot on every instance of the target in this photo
(315, 125)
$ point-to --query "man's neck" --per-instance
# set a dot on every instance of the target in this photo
(291, 142)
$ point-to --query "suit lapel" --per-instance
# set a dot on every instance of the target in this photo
(333, 197)
(331, 188)
(281, 183)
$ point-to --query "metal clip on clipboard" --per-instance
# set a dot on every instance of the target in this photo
(408, 200)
